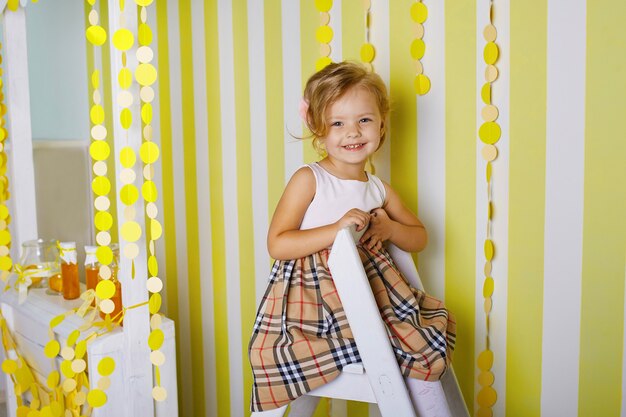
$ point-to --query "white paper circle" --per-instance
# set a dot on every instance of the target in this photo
(154, 284)
(103, 238)
(124, 98)
(107, 306)
(102, 203)
(99, 132)
(127, 176)
(151, 210)
(97, 98)
(155, 321)
(147, 94)
(93, 18)
(129, 213)
(131, 251)
(100, 168)
(104, 272)
(145, 54)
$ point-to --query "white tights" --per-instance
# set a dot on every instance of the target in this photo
(428, 400)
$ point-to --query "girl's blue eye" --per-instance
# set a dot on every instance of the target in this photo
(337, 124)
(365, 120)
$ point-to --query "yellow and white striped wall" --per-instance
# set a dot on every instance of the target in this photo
(230, 78)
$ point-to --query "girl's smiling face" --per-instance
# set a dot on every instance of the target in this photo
(354, 127)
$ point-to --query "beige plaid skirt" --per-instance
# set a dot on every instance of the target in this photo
(301, 338)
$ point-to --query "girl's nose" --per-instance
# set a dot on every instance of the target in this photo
(354, 131)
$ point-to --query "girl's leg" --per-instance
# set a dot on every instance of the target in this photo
(277, 412)
(428, 398)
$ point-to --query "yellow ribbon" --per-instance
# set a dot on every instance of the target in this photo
(63, 251)
(24, 279)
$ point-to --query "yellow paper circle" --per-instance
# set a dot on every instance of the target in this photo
(52, 349)
(96, 114)
(149, 191)
(367, 52)
(159, 393)
(4, 211)
(489, 132)
(324, 34)
(489, 249)
(96, 35)
(103, 220)
(485, 360)
(78, 365)
(57, 320)
(107, 306)
(485, 378)
(486, 397)
(5, 237)
(99, 150)
(154, 304)
(149, 152)
(144, 34)
(322, 62)
(104, 254)
(323, 5)
(419, 12)
(418, 47)
(155, 340)
(73, 337)
(488, 287)
(5, 263)
(145, 74)
(53, 379)
(123, 39)
(489, 152)
(101, 185)
(146, 113)
(125, 78)
(485, 93)
(129, 194)
(157, 358)
(105, 289)
(484, 412)
(143, 3)
(422, 84)
(490, 53)
(66, 369)
(106, 366)
(96, 398)
(153, 266)
(9, 366)
(127, 157)
(126, 118)
(95, 79)
(131, 231)
(81, 349)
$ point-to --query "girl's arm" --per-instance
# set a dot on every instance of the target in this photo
(396, 223)
(285, 240)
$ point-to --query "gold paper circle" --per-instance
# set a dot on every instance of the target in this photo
(485, 360)
(487, 305)
(486, 397)
(485, 378)
(418, 31)
(489, 152)
(324, 18)
(107, 306)
(488, 268)
(491, 73)
(489, 113)
(490, 33)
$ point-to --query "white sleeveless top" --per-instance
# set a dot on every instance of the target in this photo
(335, 196)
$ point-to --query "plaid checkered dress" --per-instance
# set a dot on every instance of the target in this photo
(301, 338)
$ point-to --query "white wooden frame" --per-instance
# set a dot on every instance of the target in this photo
(128, 345)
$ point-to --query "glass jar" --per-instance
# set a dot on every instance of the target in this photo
(69, 270)
(42, 255)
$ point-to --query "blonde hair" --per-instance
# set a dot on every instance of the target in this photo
(328, 85)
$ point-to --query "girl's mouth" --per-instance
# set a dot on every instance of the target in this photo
(354, 147)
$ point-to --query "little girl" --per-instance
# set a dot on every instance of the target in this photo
(301, 338)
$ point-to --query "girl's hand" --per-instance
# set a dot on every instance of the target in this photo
(379, 230)
(355, 216)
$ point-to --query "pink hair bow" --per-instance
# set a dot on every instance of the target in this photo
(303, 108)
